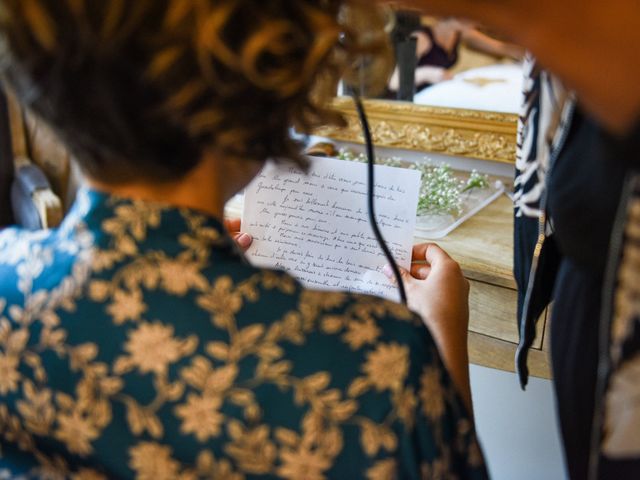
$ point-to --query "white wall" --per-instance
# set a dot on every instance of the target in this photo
(518, 430)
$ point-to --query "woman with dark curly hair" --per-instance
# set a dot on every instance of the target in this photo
(135, 340)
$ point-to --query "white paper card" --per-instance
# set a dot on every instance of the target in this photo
(315, 226)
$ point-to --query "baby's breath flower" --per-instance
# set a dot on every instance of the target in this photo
(440, 190)
(477, 180)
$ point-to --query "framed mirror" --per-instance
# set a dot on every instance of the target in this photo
(456, 90)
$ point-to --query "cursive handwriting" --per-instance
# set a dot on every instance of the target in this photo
(316, 225)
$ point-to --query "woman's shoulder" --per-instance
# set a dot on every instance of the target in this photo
(20, 247)
(323, 303)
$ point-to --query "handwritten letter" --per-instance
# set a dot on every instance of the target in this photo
(315, 225)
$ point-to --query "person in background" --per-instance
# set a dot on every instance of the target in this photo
(587, 256)
(437, 50)
(135, 340)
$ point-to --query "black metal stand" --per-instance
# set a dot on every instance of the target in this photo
(406, 58)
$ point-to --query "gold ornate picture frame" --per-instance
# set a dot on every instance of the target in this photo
(467, 133)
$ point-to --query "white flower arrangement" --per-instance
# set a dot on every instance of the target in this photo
(441, 192)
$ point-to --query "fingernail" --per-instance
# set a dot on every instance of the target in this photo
(244, 240)
(388, 271)
(423, 272)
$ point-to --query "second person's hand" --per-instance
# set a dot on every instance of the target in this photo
(243, 240)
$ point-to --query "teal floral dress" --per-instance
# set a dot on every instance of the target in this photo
(137, 342)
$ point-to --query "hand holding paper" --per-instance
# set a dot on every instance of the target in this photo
(316, 227)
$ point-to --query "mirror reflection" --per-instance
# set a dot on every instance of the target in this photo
(454, 63)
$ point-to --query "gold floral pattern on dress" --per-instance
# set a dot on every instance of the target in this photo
(252, 449)
(152, 347)
(376, 437)
(125, 306)
(179, 276)
(406, 403)
(383, 470)
(76, 431)
(201, 416)
(87, 474)
(431, 393)
(137, 338)
(360, 334)
(303, 462)
(37, 409)
(9, 375)
(152, 461)
(387, 366)
(222, 302)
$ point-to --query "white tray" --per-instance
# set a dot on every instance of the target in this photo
(438, 226)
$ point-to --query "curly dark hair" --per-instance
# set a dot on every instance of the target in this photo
(140, 88)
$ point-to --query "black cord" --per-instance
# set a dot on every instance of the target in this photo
(371, 199)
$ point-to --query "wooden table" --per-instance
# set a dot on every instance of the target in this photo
(484, 248)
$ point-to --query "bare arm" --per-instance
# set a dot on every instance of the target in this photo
(430, 74)
(427, 74)
(476, 40)
(437, 290)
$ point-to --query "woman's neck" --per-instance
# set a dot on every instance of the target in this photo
(207, 187)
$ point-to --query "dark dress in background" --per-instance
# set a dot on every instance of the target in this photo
(585, 187)
(437, 56)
